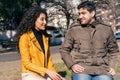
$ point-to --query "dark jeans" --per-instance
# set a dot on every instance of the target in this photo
(90, 77)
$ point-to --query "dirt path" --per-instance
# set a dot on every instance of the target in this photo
(10, 64)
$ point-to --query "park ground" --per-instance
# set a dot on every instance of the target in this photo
(10, 63)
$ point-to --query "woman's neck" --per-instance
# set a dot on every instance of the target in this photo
(37, 29)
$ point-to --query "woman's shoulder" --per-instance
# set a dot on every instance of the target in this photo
(26, 34)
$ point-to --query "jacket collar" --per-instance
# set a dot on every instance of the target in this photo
(36, 43)
(93, 24)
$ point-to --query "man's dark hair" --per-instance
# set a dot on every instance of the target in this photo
(89, 5)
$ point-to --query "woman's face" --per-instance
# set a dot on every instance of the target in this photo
(40, 23)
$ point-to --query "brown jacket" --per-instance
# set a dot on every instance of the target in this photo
(94, 47)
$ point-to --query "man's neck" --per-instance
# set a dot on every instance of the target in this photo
(92, 21)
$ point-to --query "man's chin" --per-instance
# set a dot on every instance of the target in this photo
(83, 23)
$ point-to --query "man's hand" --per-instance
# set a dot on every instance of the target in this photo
(77, 68)
(112, 72)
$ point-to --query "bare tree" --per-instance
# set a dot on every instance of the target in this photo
(68, 7)
(106, 11)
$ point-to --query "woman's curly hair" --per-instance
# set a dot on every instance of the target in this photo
(28, 21)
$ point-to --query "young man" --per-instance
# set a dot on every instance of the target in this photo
(90, 49)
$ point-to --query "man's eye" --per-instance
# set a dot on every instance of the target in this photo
(42, 19)
(83, 13)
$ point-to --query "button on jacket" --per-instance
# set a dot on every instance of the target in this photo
(93, 46)
(33, 58)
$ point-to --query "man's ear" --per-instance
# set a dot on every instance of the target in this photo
(93, 13)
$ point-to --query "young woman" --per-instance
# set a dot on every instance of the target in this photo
(34, 46)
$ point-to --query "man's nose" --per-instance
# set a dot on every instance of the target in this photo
(45, 21)
(80, 16)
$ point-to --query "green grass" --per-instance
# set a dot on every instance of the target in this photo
(63, 70)
(118, 66)
(118, 69)
(66, 73)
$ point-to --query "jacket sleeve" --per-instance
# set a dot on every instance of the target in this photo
(66, 48)
(50, 63)
(25, 56)
(113, 50)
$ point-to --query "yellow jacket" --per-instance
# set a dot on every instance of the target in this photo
(32, 56)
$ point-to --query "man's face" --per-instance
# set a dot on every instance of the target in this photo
(85, 16)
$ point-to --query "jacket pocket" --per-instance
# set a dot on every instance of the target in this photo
(88, 61)
(94, 61)
(100, 61)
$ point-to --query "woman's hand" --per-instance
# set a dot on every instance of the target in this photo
(53, 75)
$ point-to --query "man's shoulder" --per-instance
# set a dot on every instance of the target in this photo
(103, 24)
(104, 27)
(75, 24)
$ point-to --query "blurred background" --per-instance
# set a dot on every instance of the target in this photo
(61, 14)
